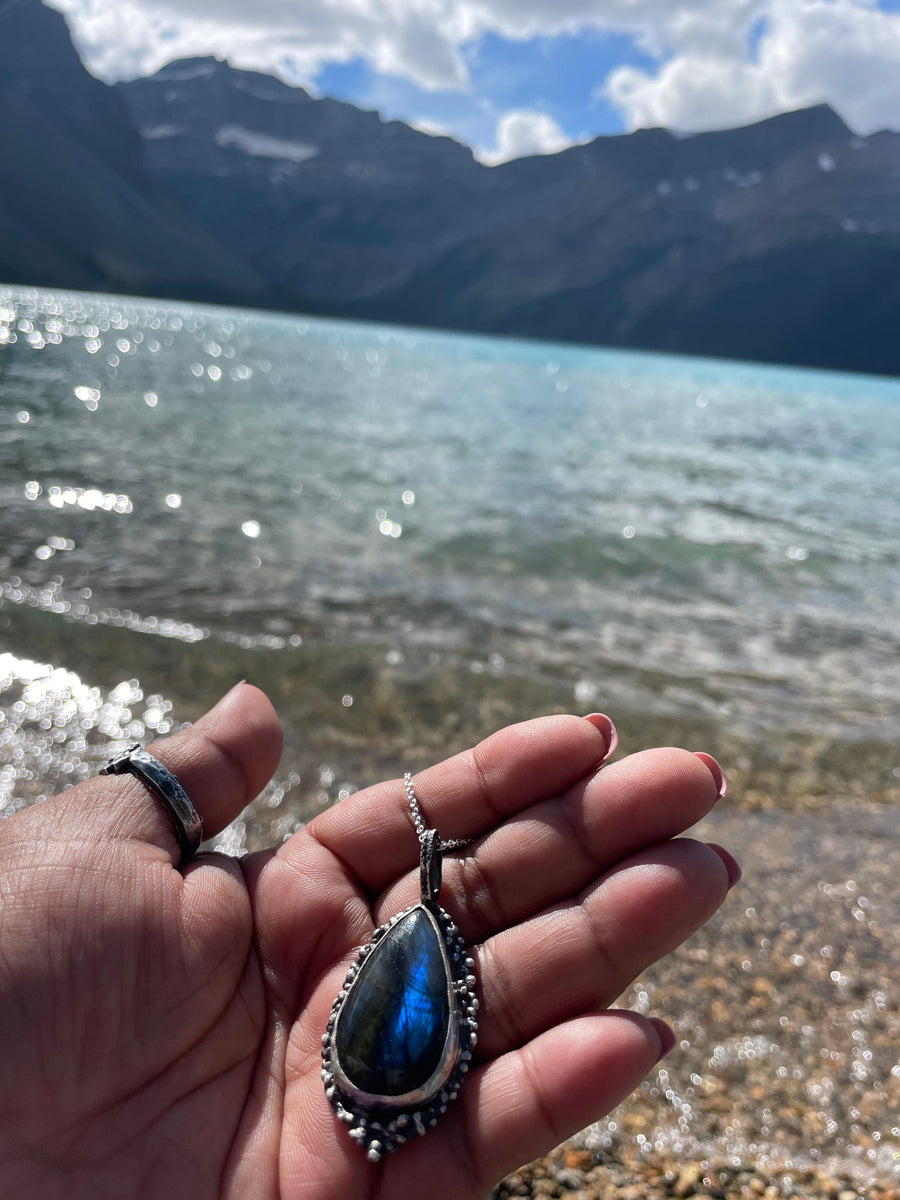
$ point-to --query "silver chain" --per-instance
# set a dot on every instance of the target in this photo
(416, 813)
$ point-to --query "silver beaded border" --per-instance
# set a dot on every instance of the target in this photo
(377, 1129)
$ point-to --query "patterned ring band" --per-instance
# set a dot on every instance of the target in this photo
(186, 820)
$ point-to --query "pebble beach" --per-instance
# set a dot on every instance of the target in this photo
(785, 1081)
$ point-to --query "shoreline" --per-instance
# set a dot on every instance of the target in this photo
(357, 713)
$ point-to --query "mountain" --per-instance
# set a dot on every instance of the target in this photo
(333, 205)
(77, 207)
(778, 241)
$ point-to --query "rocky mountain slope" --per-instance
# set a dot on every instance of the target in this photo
(334, 206)
(77, 207)
(777, 241)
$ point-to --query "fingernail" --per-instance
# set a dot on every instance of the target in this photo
(715, 770)
(666, 1036)
(732, 866)
(602, 722)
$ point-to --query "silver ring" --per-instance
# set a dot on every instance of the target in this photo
(186, 822)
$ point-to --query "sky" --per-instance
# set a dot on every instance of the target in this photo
(516, 77)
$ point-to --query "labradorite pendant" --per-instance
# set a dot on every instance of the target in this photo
(400, 1036)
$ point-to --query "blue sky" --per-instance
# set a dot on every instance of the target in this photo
(553, 75)
(512, 77)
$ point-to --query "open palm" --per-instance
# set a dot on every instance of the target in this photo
(160, 1030)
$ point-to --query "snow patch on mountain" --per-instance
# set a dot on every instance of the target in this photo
(261, 145)
(271, 95)
(179, 73)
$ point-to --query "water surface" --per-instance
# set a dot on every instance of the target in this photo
(395, 524)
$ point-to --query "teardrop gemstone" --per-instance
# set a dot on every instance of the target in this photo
(392, 1031)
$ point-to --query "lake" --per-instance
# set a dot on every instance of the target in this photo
(410, 537)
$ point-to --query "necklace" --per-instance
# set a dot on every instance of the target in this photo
(400, 1035)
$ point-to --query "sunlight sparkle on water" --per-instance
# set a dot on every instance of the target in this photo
(56, 731)
(86, 498)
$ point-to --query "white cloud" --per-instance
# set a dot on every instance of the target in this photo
(523, 131)
(290, 38)
(708, 70)
(846, 52)
(420, 40)
(693, 92)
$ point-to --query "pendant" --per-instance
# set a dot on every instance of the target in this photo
(400, 1036)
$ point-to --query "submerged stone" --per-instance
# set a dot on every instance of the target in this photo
(393, 1026)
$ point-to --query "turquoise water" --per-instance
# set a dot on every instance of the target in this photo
(664, 534)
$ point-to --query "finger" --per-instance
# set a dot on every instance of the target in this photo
(528, 1101)
(222, 761)
(555, 848)
(371, 832)
(582, 955)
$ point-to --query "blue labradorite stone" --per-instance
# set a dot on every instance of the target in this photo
(393, 1025)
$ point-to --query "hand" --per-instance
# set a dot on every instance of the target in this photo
(160, 1030)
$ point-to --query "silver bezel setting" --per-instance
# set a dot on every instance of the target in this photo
(382, 1123)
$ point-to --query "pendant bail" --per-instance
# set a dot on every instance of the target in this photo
(430, 865)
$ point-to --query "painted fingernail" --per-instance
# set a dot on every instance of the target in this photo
(666, 1036)
(602, 722)
(715, 770)
(732, 866)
